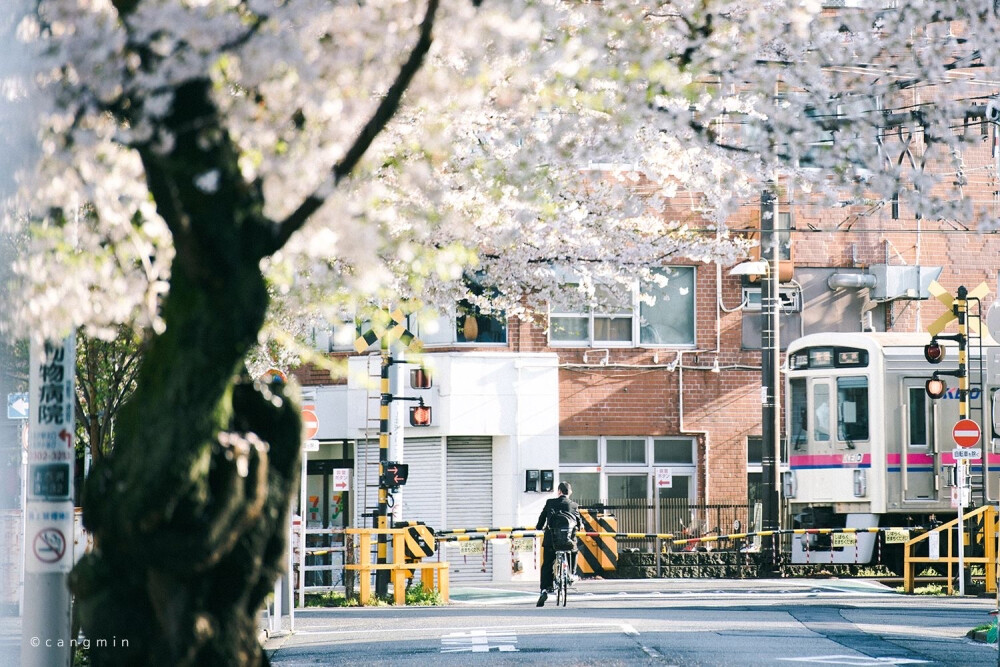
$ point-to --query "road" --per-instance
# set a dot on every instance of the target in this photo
(654, 622)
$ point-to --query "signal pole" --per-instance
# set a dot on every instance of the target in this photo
(770, 352)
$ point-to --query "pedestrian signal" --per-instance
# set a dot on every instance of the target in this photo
(394, 475)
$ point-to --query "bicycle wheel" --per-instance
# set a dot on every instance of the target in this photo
(557, 576)
(564, 580)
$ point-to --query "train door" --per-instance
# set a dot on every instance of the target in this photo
(917, 460)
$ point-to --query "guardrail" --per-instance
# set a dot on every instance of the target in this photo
(399, 569)
(988, 514)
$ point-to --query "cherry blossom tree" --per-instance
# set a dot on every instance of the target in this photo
(215, 170)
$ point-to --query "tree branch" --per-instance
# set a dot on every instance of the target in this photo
(383, 114)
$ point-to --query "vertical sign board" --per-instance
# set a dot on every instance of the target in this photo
(48, 538)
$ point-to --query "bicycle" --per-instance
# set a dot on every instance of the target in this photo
(561, 577)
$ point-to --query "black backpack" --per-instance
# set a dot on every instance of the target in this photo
(562, 528)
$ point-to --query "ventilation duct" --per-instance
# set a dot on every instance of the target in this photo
(889, 282)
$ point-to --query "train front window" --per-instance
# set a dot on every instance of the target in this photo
(852, 409)
(821, 413)
(799, 426)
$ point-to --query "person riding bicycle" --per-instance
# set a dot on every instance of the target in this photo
(561, 520)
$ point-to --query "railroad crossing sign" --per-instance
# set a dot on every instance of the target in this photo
(664, 478)
(341, 479)
(966, 433)
(942, 295)
(392, 327)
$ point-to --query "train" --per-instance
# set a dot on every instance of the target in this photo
(867, 446)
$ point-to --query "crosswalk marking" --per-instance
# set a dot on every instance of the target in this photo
(479, 641)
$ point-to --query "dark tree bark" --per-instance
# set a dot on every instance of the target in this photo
(188, 512)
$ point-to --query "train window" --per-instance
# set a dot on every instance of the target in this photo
(852, 409)
(918, 417)
(821, 412)
(800, 360)
(799, 424)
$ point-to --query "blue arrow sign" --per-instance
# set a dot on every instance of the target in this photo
(17, 406)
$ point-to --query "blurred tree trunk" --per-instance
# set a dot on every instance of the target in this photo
(188, 511)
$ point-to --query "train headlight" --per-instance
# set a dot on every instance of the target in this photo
(935, 387)
(860, 483)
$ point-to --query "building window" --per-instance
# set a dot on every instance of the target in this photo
(669, 320)
(673, 451)
(665, 314)
(578, 451)
(612, 469)
(467, 325)
(626, 451)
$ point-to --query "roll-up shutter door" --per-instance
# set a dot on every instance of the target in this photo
(422, 494)
(365, 483)
(469, 480)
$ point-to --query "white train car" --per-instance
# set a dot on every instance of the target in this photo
(866, 445)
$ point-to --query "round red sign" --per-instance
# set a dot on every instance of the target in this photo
(966, 433)
(310, 423)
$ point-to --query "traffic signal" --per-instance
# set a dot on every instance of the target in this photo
(420, 378)
(935, 387)
(933, 352)
(420, 415)
(394, 475)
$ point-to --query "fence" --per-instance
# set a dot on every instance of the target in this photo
(676, 516)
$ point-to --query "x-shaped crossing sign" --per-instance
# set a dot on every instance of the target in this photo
(393, 326)
(942, 295)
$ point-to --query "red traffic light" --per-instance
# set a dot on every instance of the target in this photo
(420, 415)
(935, 387)
(933, 352)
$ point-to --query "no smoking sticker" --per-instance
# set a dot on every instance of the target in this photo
(49, 545)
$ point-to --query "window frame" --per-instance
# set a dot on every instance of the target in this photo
(634, 313)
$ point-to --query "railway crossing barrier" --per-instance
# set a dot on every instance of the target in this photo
(398, 568)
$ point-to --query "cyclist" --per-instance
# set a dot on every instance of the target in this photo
(557, 513)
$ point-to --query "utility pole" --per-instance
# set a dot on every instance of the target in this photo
(48, 553)
(770, 353)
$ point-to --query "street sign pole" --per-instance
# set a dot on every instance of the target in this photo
(48, 538)
(960, 308)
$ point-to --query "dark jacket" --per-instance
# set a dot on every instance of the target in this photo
(559, 504)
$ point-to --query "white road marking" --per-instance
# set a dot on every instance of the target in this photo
(859, 660)
(479, 641)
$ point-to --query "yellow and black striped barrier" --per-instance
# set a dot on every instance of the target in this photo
(419, 540)
(502, 529)
(598, 543)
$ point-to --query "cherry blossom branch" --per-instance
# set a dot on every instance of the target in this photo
(383, 114)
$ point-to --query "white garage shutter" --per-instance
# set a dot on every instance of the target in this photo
(469, 504)
(423, 492)
(423, 495)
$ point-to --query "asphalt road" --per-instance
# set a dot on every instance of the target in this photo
(656, 622)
